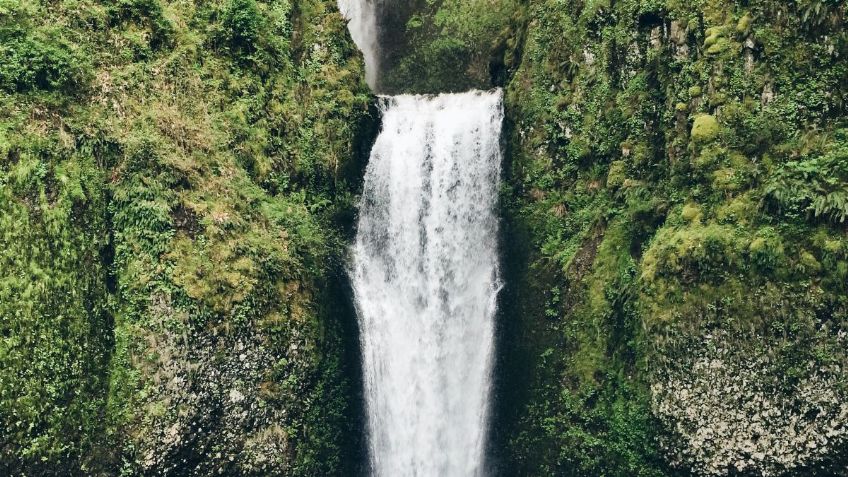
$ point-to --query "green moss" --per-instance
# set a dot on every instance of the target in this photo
(718, 99)
(174, 171)
(834, 246)
(744, 24)
(705, 128)
(170, 182)
(719, 46)
(742, 210)
(758, 245)
(767, 251)
(617, 174)
(726, 180)
(691, 212)
(55, 308)
(713, 35)
(732, 262)
(808, 263)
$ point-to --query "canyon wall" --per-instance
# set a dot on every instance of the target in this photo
(676, 247)
(176, 192)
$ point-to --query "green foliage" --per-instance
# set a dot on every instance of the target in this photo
(767, 251)
(616, 175)
(700, 252)
(814, 187)
(591, 431)
(55, 311)
(691, 212)
(256, 34)
(590, 414)
(715, 140)
(441, 36)
(725, 159)
(244, 23)
(170, 178)
(818, 13)
(146, 13)
(705, 128)
(41, 61)
(171, 174)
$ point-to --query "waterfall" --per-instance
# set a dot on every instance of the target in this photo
(425, 278)
(362, 24)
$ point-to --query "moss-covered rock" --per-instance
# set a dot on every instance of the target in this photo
(691, 212)
(744, 23)
(173, 182)
(705, 128)
(173, 175)
(624, 307)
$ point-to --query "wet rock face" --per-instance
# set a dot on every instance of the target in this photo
(731, 409)
(220, 397)
(215, 408)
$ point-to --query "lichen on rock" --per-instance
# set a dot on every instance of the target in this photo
(730, 407)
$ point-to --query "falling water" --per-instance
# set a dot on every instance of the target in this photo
(362, 24)
(425, 277)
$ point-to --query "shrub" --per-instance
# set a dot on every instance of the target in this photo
(36, 63)
(766, 250)
(244, 24)
(706, 253)
(148, 13)
(617, 174)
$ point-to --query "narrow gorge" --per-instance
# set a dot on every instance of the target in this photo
(425, 273)
(485, 238)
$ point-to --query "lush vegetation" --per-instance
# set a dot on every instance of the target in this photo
(677, 170)
(173, 177)
(177, 179)
(433, 46)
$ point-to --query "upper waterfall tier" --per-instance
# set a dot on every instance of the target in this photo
(362, 24)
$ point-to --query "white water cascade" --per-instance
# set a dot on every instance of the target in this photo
(425, 278)
(362, 24)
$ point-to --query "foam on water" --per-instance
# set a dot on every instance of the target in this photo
(425, 277)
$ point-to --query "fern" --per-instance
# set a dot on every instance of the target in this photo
(817, 187)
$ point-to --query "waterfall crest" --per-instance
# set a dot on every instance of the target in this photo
(425, 278)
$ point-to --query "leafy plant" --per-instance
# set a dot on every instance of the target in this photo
(244, 24)
(816, 187)
(42, 62)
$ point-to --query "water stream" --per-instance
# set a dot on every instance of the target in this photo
(362, 24)
(425, 279)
